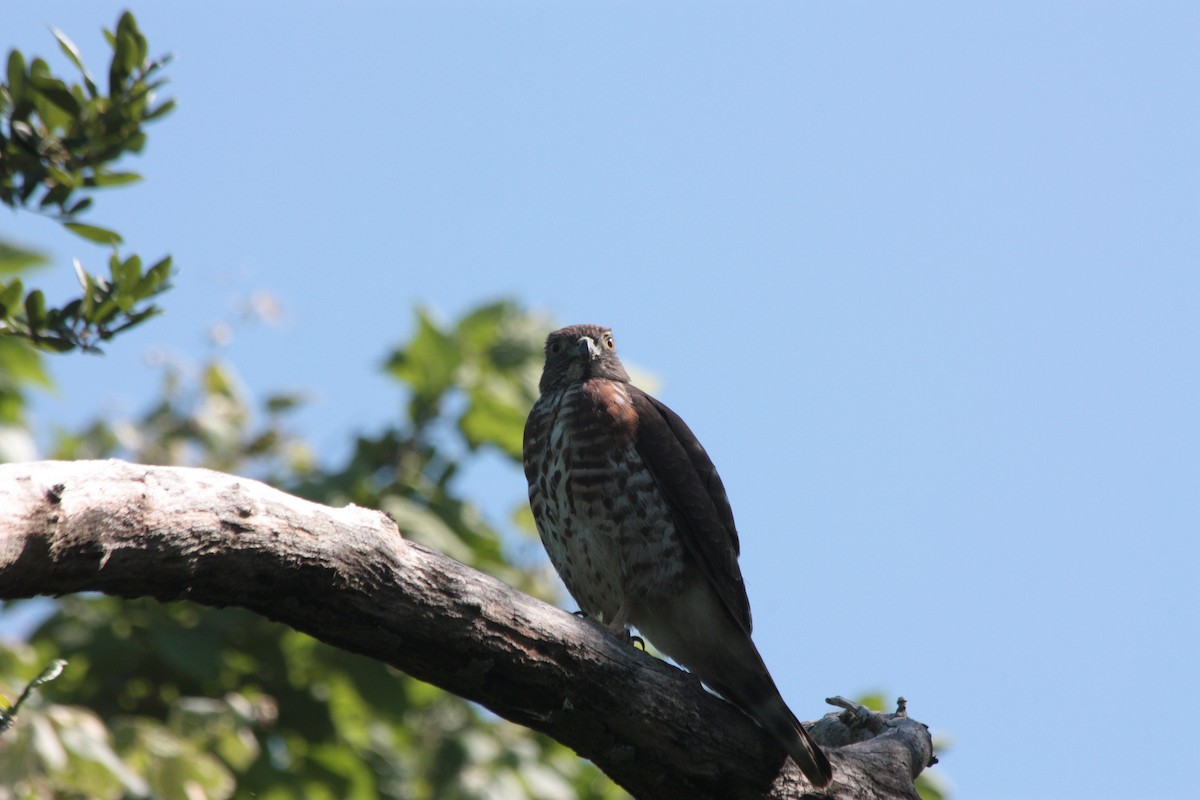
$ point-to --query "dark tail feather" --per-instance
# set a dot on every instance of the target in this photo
(780, 722)
(743, 678)
(724, 656)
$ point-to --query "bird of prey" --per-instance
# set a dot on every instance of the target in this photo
(635, 519)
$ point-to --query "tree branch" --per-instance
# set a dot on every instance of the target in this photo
(347, 577)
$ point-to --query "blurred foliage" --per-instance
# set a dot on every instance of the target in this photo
(176, 700)
(59, 144)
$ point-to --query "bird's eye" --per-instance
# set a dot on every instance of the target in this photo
(609, 343)
(556, 346)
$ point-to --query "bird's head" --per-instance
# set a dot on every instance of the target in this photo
(579, 352)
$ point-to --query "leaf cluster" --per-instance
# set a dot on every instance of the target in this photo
(106, 306)
(469, 385)
(59, 144)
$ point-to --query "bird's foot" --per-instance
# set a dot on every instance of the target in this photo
(620, 630)
(627, 636)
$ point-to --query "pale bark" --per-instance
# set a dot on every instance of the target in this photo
(349, 578)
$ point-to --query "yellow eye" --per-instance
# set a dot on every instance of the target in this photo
(609, 343)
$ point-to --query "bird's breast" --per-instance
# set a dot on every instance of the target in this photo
(601, 517)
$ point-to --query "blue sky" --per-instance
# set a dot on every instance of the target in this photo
(923, 278)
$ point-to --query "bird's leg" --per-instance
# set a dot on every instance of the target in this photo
(620, 626)
(621, 631)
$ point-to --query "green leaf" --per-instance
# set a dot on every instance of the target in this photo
(165, 107)
(427, 365)
(127, 25)
(280, 403)
(94, 233)
(10, 296)
(79, 207)
(70, 311)
(106, 311)
(21, 362)
(68, 47)
(493, 419)
(49, 673)
(113, 179)
(136, 319)
(17, 259)
(218, 381)
(35, 309)
(125, 274)
(59, 193)
(481, 328)
(57, 93)
(873, 700)
(38, 67)
(72, 52)
(118, 68)
(56, 343)
(93, 769)
(135, 143)
(16, 76)
(155, 278)
(61, 177)
(927, 791)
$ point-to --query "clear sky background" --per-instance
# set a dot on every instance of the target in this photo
(923, 277)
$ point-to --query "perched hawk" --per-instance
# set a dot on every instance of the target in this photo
(635, 519)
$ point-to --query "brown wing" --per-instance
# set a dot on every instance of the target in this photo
(688, 480)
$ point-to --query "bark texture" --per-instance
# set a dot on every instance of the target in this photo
(349, 578)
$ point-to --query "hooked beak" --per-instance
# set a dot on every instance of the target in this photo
(586, 348)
